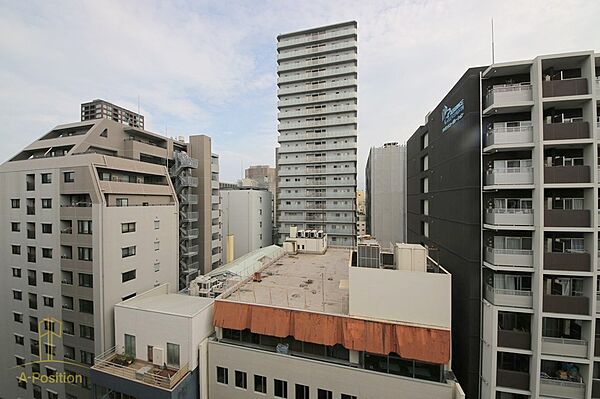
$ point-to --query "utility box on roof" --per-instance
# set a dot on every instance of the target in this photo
(410, 257)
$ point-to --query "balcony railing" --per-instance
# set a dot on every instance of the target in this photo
(569, 261)
(562, 388)
(510, 135)
(318, 61)
(567, 131)
(116, 363)
(566, 304)
(506, 297)
(514, 339)
(315, 50)
(509, 216)
(288, 102)
(567, 174)
(320, 74)
(317, 111)
(321, 86)
(508, 94)
(512, 379)
(314, 37)
(509, 176)
(509, 257)
(289, 125)
(564, 346)
(310, 136)
(565, 87)
(567, 218)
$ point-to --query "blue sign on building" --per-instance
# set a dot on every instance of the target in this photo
(452, 115)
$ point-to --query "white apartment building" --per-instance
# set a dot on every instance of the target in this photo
(246, 218)
(316, 157)
(540, 131)
(386, 193)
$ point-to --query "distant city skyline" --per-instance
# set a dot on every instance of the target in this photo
(210, 68)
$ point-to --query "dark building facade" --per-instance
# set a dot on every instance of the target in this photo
(444, 211)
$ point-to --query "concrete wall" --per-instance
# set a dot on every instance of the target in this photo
(246, 215)
(414, 297)
(336, 378)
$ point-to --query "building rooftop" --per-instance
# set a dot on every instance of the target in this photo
(305, 281)
(175, 304)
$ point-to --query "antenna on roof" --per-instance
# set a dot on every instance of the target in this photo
(138, 103)
(493, 55)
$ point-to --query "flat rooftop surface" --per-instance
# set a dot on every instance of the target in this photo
(177, 304)
(303, 281)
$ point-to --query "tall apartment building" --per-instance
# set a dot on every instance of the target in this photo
(316, 159)
(529, 186)
(246, 219)
(386, 193)
(98, 109)
(84, 229)
(266, 176)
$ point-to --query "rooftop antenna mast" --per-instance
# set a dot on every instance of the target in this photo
(493, 52)
(138, 103)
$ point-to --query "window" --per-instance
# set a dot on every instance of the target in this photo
(49, 301)
(424, 144)
(172, 354)
(84, 253)
(47, 277)
(33, 301)
(241, 379)
(346, 396)
(69, 177)
(15, 226)
(156, 224)
(52, 395)
(67, 302)
(156, 266)
(86, 306)
(302, 391)
(46, 178)
(47, 253)
(84, 226)
(16, 249)
(281, 390)
(260, 384)
(126, 297)
(18, 317)
(127, 276)
(15, 203)
(156, 245)
(425, 229)
(19, 340)
(16, 272)
(46, 228)
(425, 185)
(33, 324)
(31, 277)
(122, 202)
(30, 182)
(21, 383)
(128, 227)
(86, 332)
(67, 277)
(127, 251)
(222, 375)
(69, 352)
(17, 295)
(87, 357)
(86, 280)
(46, 203)
(68, 327)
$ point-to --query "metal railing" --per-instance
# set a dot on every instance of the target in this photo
(565, 341)
(316, 99)
(318, 61)
(510, 87)
(562, 383)
(317, 36)
(518, 169)
(288, 125)
(105, 362)
(505, 130)
(504, 291)
(510, 211)
(314, 50)
(314, 75)
(503, 251)
(317, 111)
(320, 86)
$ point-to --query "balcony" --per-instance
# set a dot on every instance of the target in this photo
(597, 82)
(292, 125)
(569, 261)
(510, 135)
(565, 87)
(566, 304)
(324, 147)
(567, 174)
(567, 131)
(317, 111)
(288, 102)
(311, 87)
(316, 62)
(504, 297)
(509, 94)
(514, 339)
(562, 388)
(313, 50)
(567, 218)
(512, 379)
(313, 75)
(564, 347)
(509, 176)
(509, 257)
(116, 363)
(509, 217)
(293, 41)
(315, 136)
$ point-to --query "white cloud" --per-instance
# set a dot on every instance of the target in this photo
(209, 67)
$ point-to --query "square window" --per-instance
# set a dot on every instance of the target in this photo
(49, 301)
(302, 391)
(15, 226)
(47, 253)
(324, 394)
(222, 375)
(19, 340)
(16, 249)
(127, 251)
(16, 272)
(260, 384)
(46, 178)
(241, 379)
(17, 295)
(47, 277)
(18, 317)
(122, 202)
(46, 203)
(46, 228)
(86, 280)
(86, 306)
(68, 327)
(15, 203)
(281, 389)
(156, 224)
(69, 177)
(128, 227)
(127, 276)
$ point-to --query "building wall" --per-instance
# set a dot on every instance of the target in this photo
(386, 193)
(454, 215)
(246, 216)
(315, 374)
(316, 160)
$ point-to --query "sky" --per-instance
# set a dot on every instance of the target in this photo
(209, 67)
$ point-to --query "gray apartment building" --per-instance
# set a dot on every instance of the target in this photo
(524, 158)
(97, 109)
(316, 159)
(385, 200)
(95, 213)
